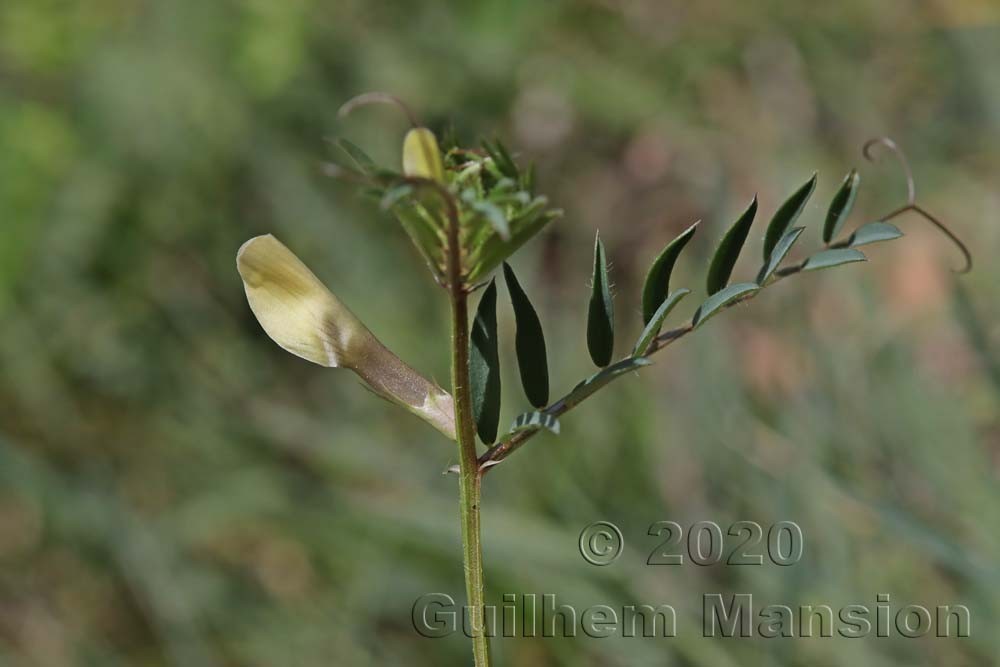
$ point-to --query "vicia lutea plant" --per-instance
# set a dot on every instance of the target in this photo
(467, 210)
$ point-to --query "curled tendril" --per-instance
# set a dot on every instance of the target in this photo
(366, 99)
(897, 152)
(911, 197)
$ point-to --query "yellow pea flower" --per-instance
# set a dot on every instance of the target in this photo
(302, 316)
(421, 155)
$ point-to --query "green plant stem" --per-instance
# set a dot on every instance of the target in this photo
(470, 477)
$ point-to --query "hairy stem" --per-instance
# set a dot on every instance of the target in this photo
(470, 479)
(470, 475)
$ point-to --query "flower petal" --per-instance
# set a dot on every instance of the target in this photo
(296, 310)
(302, 316)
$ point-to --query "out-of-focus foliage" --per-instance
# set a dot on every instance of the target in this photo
(176, 491)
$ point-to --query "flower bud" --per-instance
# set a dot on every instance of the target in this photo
(421, 155)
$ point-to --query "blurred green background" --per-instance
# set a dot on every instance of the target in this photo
(176, 490)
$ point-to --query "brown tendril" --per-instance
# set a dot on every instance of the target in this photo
(366, 99)
(897, 152)
(911, 197)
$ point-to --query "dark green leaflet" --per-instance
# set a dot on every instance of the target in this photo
(529, 342)
(484, 367)
(840, 207)
(657, 285)
(601, 314)
(786, 215)
(729, 250)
